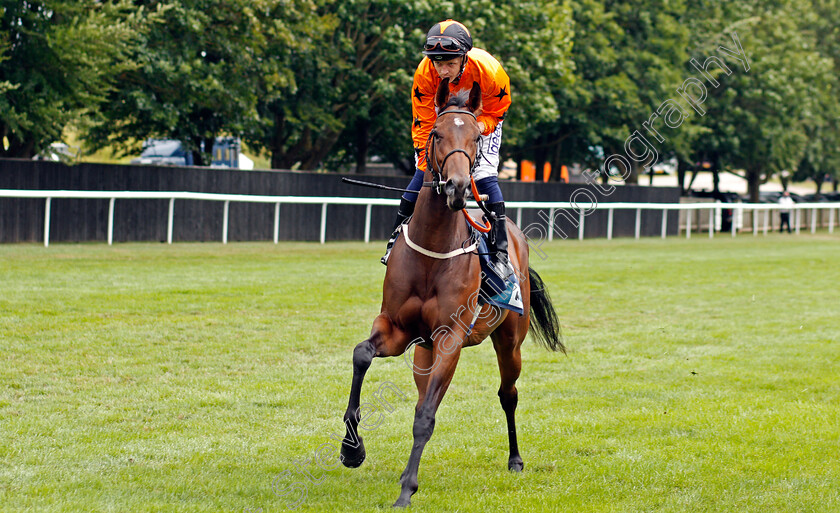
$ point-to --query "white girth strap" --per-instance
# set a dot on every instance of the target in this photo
(439, 256)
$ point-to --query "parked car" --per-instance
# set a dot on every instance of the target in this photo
(812, 198)
(773, 197)
(169, 152)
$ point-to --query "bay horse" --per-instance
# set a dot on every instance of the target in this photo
(431, 289)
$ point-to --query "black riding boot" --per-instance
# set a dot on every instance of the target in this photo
(403, 213)
(498, 242)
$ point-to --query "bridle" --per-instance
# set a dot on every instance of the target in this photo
(437, 174)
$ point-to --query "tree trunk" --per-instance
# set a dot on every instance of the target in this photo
(682, 167)
(320, 149)
(539, 160)
(754, 184)
(633, 179)
(209, 142)
(361, 146)
(694, 174)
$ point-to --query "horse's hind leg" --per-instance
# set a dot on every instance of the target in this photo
(507, 343)
(384, 340)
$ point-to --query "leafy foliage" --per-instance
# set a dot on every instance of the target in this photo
(326, 83)
(58, 61)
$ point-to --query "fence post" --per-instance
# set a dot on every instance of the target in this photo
(813, 220)
(638, 222)
(754, 214)
(367, 222)
(580, 225)
(688, 216)
(798, 219)
(47, 209)
(712, 221)
(732, 227)
(610, 223)
(831, 220)
(277, 222)
(551, 224)
(323, 223)
(664, 222)
(169, 220)
(225, 222)
(519, 216)
(111, 221)
(766, 220)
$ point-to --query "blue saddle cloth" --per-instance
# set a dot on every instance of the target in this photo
(496, 290)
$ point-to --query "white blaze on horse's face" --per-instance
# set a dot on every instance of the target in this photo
(455, 152)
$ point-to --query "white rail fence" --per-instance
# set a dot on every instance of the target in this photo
(760, 212)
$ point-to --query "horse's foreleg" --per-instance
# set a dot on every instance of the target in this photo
(439, 378)
(383, 341)
(510, 365)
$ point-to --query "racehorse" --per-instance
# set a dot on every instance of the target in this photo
(430, 294)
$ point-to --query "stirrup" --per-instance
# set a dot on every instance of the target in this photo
(390, 245)
(511, 294)
(501, 266)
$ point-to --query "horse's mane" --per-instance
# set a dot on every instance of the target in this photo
(457, 100)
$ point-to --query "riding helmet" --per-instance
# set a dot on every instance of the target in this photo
(447, 40)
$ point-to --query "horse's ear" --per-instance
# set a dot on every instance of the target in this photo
(442, 95)
(475, 99)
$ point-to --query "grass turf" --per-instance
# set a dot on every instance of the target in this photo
(702, 376)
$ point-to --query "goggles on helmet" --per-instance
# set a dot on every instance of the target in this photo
(445, 43)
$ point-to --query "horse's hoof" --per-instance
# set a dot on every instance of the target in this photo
(402, 503)
(515, 464)
(353, 457)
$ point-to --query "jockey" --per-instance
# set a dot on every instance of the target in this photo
(449, 53)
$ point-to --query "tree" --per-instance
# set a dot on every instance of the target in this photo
(58, 61)
(627, 60)
(196, 72)
(758, 122)
(821, 159)
(351, 93)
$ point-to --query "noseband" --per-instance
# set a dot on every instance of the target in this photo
(437, 174)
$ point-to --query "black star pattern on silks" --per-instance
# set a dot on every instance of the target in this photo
(417, 122)
(418, 94)
(501, 94)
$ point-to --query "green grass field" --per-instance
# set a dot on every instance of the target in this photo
(702, 375)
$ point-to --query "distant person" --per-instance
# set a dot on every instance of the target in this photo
(785, 202)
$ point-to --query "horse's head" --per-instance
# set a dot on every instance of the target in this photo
(454, 143)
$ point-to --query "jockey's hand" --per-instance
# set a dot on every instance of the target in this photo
(481, 126)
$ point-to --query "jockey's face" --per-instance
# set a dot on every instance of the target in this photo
(448, 69)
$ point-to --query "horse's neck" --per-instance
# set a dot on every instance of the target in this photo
(434, 226)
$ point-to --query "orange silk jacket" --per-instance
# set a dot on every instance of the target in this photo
(482, 68)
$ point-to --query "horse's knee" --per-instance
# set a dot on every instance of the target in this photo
(508, 399)
(424, 424)
(363, 355)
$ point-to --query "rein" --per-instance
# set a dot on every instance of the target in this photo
(437, 174)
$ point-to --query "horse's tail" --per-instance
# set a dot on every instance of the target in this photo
(544, 322)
